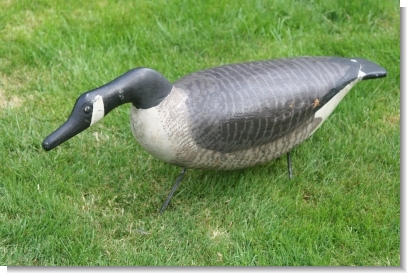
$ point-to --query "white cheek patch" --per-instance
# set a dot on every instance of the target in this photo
(98, 110)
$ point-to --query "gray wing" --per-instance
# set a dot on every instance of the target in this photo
(238, 106)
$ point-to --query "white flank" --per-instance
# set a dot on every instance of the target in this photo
(98, 110)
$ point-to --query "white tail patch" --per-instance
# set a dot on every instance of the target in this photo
(361, 74)
(327, 109)
(98, 110)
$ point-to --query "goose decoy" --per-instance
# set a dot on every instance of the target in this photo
(228, 117)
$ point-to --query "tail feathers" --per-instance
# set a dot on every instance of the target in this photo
(370, 70)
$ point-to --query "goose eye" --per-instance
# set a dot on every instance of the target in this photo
(87, 109)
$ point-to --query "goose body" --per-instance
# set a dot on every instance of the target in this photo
(228, 117)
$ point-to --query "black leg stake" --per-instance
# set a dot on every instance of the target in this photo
(174, 188)
(290, 171)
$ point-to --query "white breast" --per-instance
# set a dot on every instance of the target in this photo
(147, 128)
(154, 130)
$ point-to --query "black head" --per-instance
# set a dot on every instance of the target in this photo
(143, 87)
(88, 109)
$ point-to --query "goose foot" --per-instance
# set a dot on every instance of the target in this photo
(174, 188)
(290, 171)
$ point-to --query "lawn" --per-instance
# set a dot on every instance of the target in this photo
(94, 200)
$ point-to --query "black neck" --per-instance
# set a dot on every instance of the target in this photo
(143, 87)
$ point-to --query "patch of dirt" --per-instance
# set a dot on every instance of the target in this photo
(6, 100)
(392, 120)
(22, 25)
(315, 103)
(9, 102)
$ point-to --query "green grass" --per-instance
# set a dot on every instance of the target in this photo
(94, 200)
